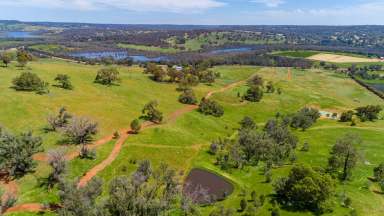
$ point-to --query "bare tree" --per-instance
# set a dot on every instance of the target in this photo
(58, 163)
(80, 130)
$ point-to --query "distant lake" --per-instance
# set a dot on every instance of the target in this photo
(118, 55)
(378, 86)
(17, 34)
(231, 50)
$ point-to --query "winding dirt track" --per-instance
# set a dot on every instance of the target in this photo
(125, 133)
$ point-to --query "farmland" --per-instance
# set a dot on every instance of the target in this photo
(183, 140)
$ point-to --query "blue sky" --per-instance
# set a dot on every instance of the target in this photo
(297, 12)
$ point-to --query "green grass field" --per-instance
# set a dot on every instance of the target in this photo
(183, 143)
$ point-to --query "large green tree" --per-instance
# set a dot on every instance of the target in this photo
(305, 189)
(16, 152)
(344, 156)
(150, 112)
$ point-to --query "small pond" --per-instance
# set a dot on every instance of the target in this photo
(118, 55)
(206, 187)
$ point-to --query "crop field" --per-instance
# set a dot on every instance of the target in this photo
(334, 58)
(183, 140)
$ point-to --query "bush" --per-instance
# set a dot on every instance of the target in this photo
(107, 76)
(209, 107)
(28, 81)
(305, 118)
(378, 172)
(80, 130)
(188, 97)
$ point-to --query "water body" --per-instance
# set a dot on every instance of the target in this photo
(231, 50)
(17, 34)
(379, 86)
(118, 55)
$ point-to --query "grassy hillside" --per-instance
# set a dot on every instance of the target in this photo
(183, 142)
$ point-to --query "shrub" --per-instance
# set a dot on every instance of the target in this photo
(6, 58)
(378, 172)
(188, 97)
(64, 81)
(28, 81)
(209, 107)
(107, 76)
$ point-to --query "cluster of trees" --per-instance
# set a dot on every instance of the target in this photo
(365, 72)
(256, 89)
(77, 130)
(147, 191)
(189, 76)
(274, 144)
(64, 81)
(16, 152)
(366, 113)
(28, 81)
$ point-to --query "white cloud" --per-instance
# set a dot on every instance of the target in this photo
(178, 6)
(270, 3)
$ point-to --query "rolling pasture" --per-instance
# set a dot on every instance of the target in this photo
(182, 140)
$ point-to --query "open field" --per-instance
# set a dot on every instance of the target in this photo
(183, 142)
(335, 58)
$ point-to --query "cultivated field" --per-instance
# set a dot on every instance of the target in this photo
(334, 58)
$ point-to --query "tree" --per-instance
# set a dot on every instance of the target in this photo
(28, 81)
(368, 113)
(188, 97)
(207, 77)
(305, 118)
(60, 120)
(23, 57)
(210, 107)
(151, 113)
(80, 130)
(107, 76)
(157, 72)
(344, 156)
(136, 126)
(254, 94)
(64, 81)
(305, 147)
(305, 189)
(347, 116)
(16, 152)
(6, 58)
(58, 163)
(378, 172)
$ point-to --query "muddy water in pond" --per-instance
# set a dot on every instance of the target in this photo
(216, 187)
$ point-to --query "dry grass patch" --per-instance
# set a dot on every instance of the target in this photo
(341, 58)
